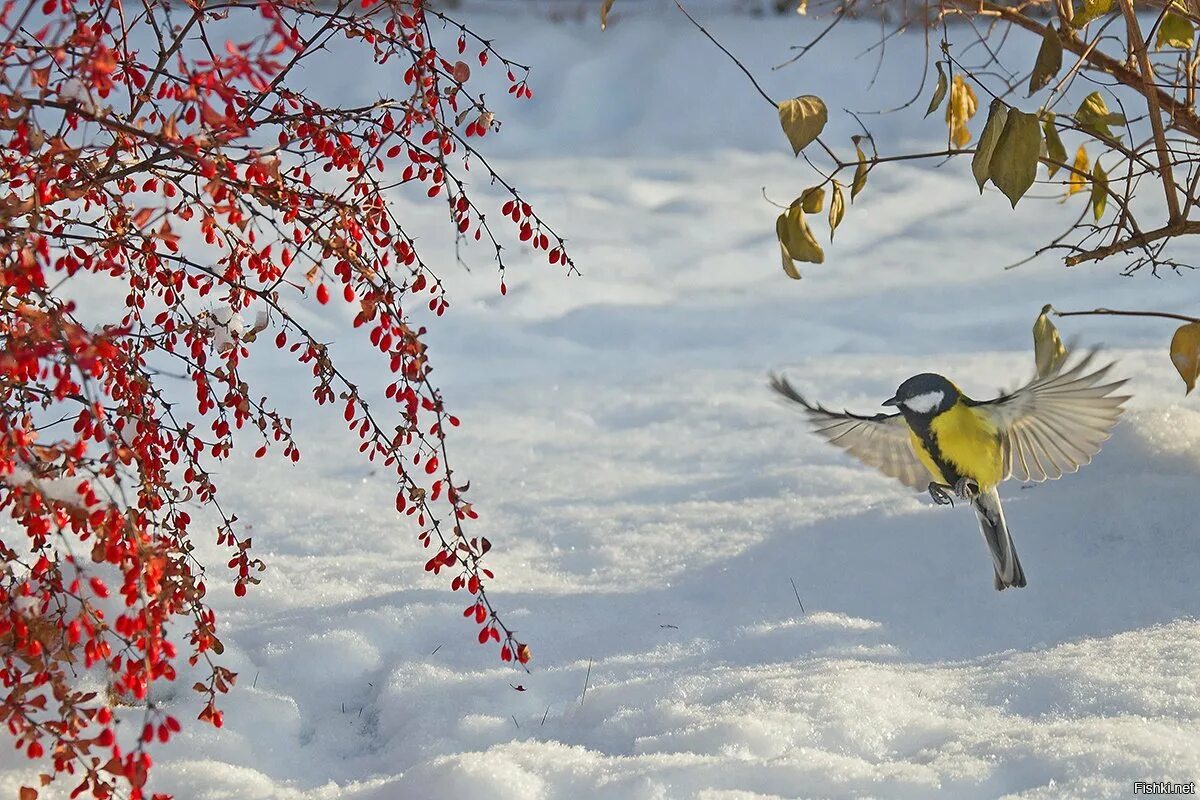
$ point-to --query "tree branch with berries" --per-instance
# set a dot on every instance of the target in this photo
(144, 148)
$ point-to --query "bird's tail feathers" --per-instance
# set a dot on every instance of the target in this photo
(999, 542)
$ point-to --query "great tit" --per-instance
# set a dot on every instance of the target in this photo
(944, 442)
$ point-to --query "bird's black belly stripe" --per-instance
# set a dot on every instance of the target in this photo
(928, 438)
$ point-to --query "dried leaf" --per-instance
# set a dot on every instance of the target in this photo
(962, 106)
(1185, 353)
(783, 232)
(1055, 151)
(28, 793)
(997, 114)
(797, 239)
(1099, 190)
(1014, 162)
(860, 172)
(789, 266)
(939, 92)
(1049, 353)
(605, 7)
(1090, 10)
(170, 129)
(837, 209)
(1175, 31)
(1093, 116)
(812, 200)
(1080, 168)
(803, 119)
(1049, 60)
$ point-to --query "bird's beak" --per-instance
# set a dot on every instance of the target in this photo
(892, 401)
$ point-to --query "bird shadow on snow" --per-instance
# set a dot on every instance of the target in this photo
(1109, 549)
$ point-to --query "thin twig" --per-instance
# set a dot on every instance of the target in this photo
(1114, 313)
(586, 679)
(797, 591)
(721, 47)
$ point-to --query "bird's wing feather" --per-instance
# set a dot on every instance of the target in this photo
(1056, 424)
(881, 441)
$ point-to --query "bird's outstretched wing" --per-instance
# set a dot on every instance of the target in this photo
(1055, 424)
(881, 441)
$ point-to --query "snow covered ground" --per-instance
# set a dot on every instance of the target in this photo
(652, 506)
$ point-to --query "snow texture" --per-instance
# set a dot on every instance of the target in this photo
(657, 515)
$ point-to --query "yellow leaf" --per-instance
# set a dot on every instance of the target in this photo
(797, 239)
(1048, 350)
(812, 200)
(837, 209)
(789, 266)
(1185, 353)
(860, 172)
(997, 114)
(962, 106)
(605, 7)
(1175, 31)
(1055, 151)
(1048, 62)
(1093, 116)
(1079, 181)
(1013, 167)
(939, 92)
(1090, 10)
(803, 119)
(1099, 190)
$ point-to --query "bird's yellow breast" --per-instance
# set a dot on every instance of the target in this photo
(966, 441)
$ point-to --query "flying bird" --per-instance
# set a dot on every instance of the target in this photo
(948, 444)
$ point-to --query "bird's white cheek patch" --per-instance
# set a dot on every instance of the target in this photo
(924, 403)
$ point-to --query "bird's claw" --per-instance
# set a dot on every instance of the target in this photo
(966, 488)
(939, 494)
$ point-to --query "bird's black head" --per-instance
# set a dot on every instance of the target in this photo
(925, 395)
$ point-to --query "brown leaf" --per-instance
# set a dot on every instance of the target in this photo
(170, 129)
(605, 7)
